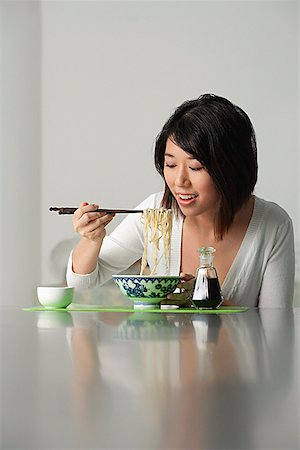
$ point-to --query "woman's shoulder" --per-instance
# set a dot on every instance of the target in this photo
(271, 212)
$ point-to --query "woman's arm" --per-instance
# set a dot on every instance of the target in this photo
(277, 289)
(98, 259)
(118, 251)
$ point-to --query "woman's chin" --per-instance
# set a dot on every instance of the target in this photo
(188, 211)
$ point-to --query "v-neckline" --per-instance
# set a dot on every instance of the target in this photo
(240, 255)
(232, 272)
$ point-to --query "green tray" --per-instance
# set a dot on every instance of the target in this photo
(88, 308)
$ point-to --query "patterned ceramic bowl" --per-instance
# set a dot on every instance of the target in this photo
(146, 290)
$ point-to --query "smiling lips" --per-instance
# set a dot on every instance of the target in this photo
(186, 199)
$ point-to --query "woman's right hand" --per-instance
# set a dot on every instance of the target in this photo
(89, 223)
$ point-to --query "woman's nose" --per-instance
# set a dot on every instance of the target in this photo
(182, 177)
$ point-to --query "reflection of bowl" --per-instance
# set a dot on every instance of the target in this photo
(139, 317)
(146, 290)
(146, 325)
(55, 297)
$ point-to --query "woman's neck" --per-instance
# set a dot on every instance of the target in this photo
(206, 222)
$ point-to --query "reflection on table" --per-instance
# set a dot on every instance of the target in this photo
(151, 381)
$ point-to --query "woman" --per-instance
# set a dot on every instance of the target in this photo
(206, 154)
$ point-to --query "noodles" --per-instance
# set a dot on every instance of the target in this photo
(157, 225)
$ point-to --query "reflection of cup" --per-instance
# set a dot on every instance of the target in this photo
(54, 319)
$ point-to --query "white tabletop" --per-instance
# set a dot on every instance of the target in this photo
(108, 380)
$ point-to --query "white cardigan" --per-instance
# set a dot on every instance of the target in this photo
(262, 273)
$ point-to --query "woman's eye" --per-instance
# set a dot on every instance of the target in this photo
(196, 168)
(169, 165)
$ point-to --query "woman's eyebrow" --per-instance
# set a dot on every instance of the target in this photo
(172, 156)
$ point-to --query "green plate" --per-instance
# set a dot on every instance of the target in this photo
(223, 310)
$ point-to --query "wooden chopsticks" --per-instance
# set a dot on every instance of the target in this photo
(66, 210)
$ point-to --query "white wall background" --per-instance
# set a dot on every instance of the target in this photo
(20, 151)
(110, 74)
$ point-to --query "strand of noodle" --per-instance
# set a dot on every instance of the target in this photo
(154, 223)
(166, 228)
(145, 217)
(159, 221)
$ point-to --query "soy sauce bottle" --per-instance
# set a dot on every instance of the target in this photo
(207, 292)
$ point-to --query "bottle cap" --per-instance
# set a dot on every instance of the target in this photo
(206, 255)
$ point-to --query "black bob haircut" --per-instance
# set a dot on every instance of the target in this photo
(221, 137)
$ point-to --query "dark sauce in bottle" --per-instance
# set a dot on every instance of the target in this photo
(207, 292)
(213, 298)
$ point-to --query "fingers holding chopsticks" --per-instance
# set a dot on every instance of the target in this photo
(90, 223)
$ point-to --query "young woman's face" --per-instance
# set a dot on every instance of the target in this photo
(189, 182)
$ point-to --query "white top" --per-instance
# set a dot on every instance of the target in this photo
(262, 273)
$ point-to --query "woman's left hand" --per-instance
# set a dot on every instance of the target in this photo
(182, 298)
